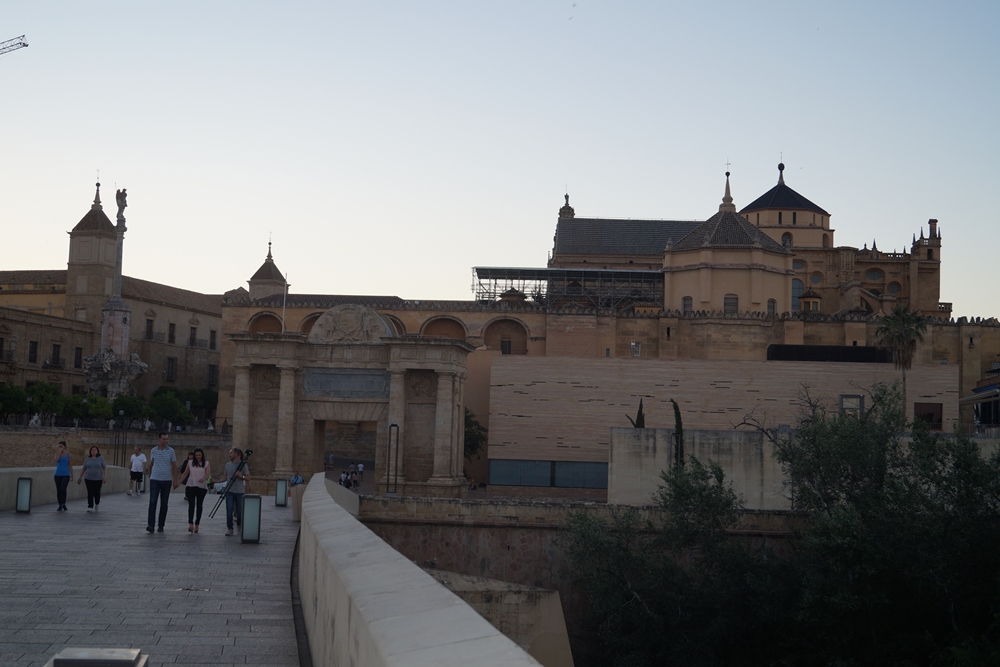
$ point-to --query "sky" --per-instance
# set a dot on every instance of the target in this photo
(389, 147)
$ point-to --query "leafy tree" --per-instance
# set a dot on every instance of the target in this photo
(133, 407)
(13, 401)
(98, 407)
(167, 406)
(475, 435)
(45, 399)
(74, 407)
(899, 332)
(640, 418)
(208, 399)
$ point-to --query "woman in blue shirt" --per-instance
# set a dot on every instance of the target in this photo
(64, 472)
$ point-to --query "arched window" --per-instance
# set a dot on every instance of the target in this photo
(307, 324)
(874, 275)
(930, 254)
(772, 307)
(444, 327)
(798, 287)
(687, 305)
(731, 304)
(265, 323)
(826, 240)
(786, 240)
(507, 336)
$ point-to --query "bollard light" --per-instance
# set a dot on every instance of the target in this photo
(250, 521)
(281, 493)
(23, 504)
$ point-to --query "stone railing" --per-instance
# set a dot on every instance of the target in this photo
(365, 604)
(43, 488)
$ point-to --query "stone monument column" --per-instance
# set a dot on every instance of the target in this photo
(397, 414)
(458, 425)
(241, 406)
(286, 421)
(443, 434)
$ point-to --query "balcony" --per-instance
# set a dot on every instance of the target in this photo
(944, 307)
(200, 342)
(57, 364)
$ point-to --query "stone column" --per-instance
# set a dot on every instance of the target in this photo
(443, 436)
(458, 426)
(397, 416)
(241, 406)
(286, 422)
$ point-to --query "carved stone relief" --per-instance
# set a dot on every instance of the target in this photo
(345, 383)
(266, 381)
(421, 385)
(350, 323)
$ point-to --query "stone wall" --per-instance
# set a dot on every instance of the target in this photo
(43, 488)
(369, 605)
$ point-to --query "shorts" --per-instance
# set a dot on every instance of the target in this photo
(135, 476)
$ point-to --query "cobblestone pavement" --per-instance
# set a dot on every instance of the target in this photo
(100, 580)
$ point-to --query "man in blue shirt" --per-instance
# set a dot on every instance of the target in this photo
(162, 473)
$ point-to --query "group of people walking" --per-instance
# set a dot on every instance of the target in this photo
(164, 477)
(352, 477)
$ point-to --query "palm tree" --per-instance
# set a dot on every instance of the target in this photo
(900, 331)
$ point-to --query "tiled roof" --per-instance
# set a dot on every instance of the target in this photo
(268, 271)
(41, 277)
(782, 197)
(726, 229)
(95, 221)
(327, 301)
(594, 236)
(143, 290)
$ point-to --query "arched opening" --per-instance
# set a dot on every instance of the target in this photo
(444, 327)
(786, 240)
(308, 322)
(826, 240)
(507, 336)
(772, 307)
(396, 324)
(265, 323)
(930, 254)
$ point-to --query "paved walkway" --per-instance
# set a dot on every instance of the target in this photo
(78, 579)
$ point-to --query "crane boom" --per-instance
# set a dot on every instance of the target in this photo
(12, 45)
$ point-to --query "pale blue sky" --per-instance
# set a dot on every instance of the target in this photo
(390, 147)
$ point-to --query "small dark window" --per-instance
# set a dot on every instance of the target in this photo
(78, 358)
(794, 218)
(636, 349)
(149, 329)
(852, 404)
(56, 354)
(211, 340)
(505, 346)
(171, 369)
(930, 254)
(930, 414)
(607, 352)
(668, 333)
(77, 389)
(33, 352)
(193, 338)
(213, 375)
(894, 288)
(786, 240)
(779, 217)
(731, 304)
(816, 278)
(772, 307)
(687, 305)
(171, 333)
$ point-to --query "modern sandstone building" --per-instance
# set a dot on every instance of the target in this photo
(741, 314)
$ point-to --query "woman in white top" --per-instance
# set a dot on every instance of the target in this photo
(195, 478)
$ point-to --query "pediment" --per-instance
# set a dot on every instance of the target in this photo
(350, 323)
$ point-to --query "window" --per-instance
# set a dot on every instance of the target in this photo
(149, 329)
(874, 275)
(798, 287)
(78, 389)
(213, 375)
(893, 288)
(731, 304)
(816, 278)
(798, 265)
(505, 346)
(852, 404)
(581, 475)
(772, 307)
(193, 337)
(687, 305)
(211, 340)
(930, 254)
(563, 474)
(636, 349)
(171, 369)
(171, 333)
(33, 352)
(929, 413)
(779, 217)
(786, 240)
(794, 218)
(55, 359)
(78, 358)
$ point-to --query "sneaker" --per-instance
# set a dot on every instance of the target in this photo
(229, 532)
(90, 509)
(149, 529)
(160, 529)
(130, 492)
(97, 507)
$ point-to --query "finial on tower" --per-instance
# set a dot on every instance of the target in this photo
(566, 211)
(781, 173)
(97, 199)
(727, 199)
(269, 249)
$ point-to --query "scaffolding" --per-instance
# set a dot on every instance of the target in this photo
(590, 288)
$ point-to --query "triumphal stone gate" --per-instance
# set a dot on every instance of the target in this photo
(353, 373)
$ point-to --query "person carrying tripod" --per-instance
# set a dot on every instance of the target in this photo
(240, 484)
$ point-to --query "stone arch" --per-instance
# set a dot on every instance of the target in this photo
(308, 322)
(786, 239)
(443, 327)
(826, 240)
(264, 322)
(506, 335)
(351, 323)
(397, 324)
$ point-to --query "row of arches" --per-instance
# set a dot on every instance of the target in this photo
(507, 335)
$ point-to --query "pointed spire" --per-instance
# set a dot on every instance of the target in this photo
(567, 210)
(97, 199)
(269, 250)
(727, 199)
(874, 246)
(781, 173)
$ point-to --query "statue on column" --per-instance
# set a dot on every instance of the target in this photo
(120, 196)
